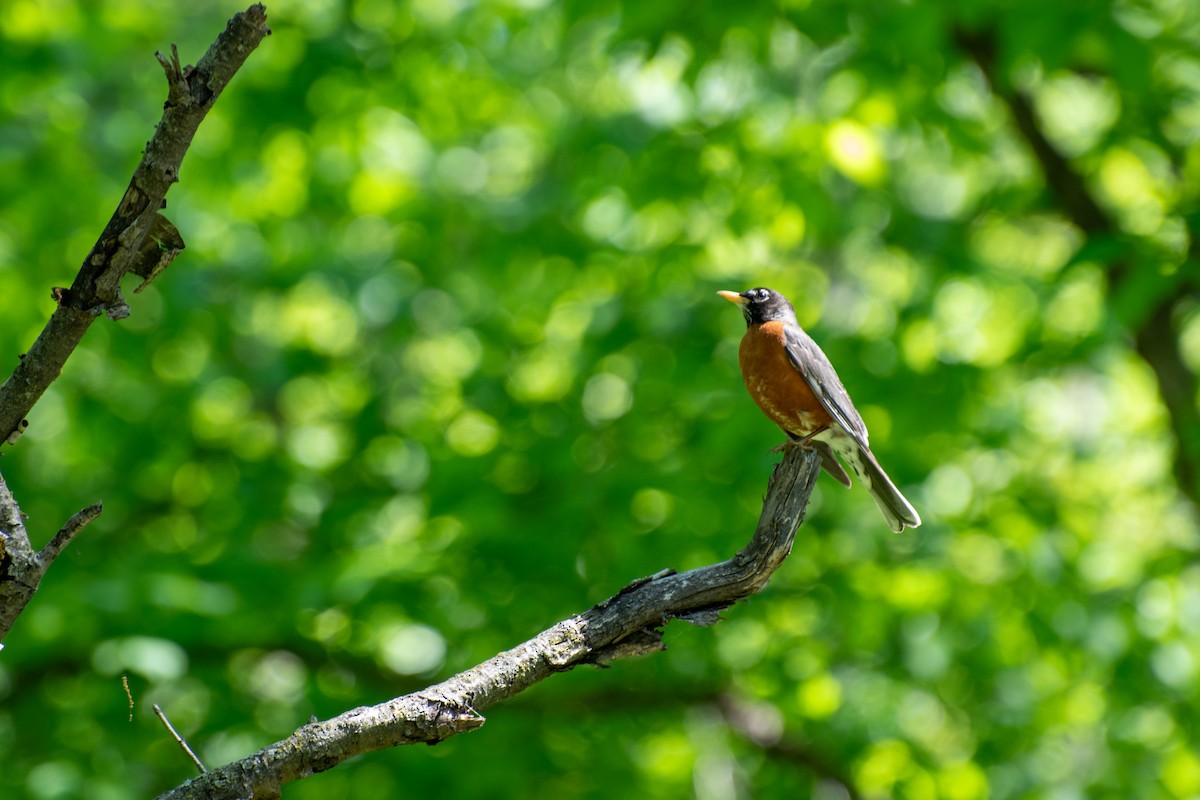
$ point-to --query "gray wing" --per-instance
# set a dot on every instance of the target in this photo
(814, 367)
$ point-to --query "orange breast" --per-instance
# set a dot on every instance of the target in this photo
(775, 384)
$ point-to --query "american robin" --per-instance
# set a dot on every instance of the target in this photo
(794, 384)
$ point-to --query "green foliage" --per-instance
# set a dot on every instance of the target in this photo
(442, 364)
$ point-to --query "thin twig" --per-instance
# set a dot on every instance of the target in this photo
(68, 532)
(129, 694)
(179, 739)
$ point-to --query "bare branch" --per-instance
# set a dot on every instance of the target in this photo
(191, 93)
(137, 239)
(179, 740)
(177, 87)
(20, 570)
(629, 623)
(68, 532)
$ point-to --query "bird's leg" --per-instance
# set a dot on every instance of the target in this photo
(803, 442)
(793, 440)
(829, 461)
(790, 441)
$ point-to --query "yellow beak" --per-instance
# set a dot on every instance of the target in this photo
(734, 297)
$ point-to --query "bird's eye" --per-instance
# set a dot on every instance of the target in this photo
(760, 295)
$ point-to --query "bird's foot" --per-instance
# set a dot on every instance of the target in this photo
(793, 440)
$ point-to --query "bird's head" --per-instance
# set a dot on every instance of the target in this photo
(761, 305)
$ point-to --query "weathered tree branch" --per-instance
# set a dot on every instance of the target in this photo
(1151, 324)
(19, 567)
(626, 624)
(67, 533)
(22, 568)
(122, 247)
(137, 239)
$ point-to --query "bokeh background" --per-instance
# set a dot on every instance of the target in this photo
(442, 364)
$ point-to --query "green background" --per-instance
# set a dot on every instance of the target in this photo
(443, 364)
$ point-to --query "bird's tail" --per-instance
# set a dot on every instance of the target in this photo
(899, 513)
(830, 463)
(895, 506)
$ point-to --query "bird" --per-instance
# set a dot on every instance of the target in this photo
(795, 385)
